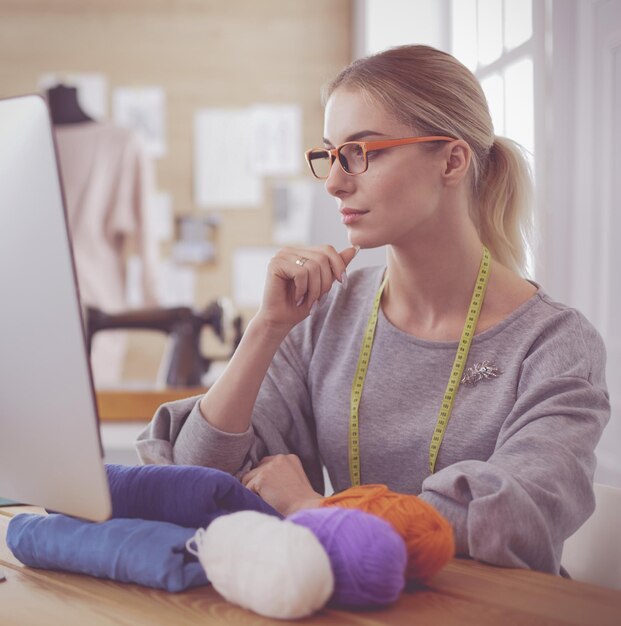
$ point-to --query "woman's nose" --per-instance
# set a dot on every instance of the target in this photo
(338, 182)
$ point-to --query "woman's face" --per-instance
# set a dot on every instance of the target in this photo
(399, 197)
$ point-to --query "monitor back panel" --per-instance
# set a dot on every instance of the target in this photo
(50, 449)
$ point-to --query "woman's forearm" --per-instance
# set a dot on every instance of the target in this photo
(296, 279)
(229, 402)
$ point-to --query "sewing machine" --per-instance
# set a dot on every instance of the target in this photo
(184, 365)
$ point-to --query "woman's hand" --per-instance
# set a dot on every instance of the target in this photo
(280, 480)
(299, 277)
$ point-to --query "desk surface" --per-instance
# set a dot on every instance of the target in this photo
(464, 593)
(138, 405)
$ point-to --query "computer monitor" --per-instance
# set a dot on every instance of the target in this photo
(50, 446)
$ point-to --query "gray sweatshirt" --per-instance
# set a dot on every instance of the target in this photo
(515, 469)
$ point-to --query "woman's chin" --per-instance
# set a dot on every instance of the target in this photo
(356, 240)
(363, 243)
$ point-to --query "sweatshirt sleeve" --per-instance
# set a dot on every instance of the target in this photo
(517, 508)
(282, 423)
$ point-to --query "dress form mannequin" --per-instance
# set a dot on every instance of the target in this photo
(64, 105)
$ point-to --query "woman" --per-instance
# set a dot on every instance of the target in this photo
(374, 378)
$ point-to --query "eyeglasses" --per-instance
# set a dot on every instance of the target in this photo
(352, 155)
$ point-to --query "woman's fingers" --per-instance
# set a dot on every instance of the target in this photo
(347, 255)
(281, 481)
(314, 271)
(298, 278)
(300, 282)
(321, 266)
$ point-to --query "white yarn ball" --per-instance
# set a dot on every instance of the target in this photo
(273, 567)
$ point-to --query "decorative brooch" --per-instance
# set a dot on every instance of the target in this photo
(480, 371)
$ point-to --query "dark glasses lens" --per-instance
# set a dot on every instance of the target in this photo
(352, 158)
(320, 162)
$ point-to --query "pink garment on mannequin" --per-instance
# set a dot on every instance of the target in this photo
(108, 181)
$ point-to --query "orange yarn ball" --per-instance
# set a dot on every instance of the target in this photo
(428, 536)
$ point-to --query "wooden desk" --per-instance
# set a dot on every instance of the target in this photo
(138, 405)
(464, 593)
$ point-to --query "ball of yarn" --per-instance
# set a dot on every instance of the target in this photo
(273, 567)
(368, 557)
(428, 536)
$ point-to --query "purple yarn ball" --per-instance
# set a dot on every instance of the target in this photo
(367, 554)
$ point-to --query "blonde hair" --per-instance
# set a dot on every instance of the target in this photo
(435, 94)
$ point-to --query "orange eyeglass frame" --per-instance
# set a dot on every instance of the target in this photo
(369, 146)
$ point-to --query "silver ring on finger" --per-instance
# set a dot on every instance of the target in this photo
(301, 261)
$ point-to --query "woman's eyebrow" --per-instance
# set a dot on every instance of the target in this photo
(358, 135)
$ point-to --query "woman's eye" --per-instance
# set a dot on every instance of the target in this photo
(353, 151)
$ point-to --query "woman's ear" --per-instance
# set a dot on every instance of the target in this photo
(458, 156)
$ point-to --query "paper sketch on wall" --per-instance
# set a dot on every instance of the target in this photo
(293, 208)
(234, 148)
(276, 148)
(143, 109)
(249, 272)
(223, 176)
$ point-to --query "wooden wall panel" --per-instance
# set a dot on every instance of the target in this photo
(203, 53)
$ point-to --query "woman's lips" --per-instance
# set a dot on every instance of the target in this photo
(351, 216)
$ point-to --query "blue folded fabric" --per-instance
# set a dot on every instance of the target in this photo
(127, 550)
(186, 495)
(155, 510)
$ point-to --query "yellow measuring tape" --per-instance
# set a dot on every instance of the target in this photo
(459, 363)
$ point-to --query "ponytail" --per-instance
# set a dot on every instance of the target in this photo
(501, 207)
